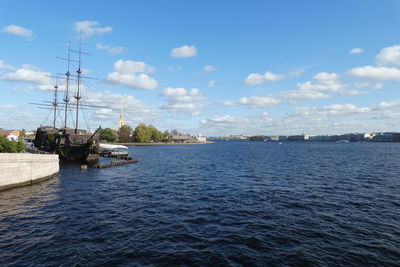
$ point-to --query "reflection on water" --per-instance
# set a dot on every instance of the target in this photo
(218, 204)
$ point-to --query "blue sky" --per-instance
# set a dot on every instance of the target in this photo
(214, 67)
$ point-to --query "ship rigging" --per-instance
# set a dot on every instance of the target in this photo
(72, 144)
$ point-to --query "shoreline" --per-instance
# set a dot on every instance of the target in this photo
(158, 144)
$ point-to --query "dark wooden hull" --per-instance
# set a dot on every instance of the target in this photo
(70, 146)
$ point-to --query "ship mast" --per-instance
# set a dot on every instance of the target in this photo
(78, 96)
(79, 77)
(66, 99)
(55, 104)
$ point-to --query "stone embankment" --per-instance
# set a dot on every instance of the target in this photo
(19, 169)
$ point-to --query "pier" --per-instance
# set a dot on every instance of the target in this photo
(122, 161)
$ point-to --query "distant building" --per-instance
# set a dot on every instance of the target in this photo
(321, 138)
(386, 137)
(12, 137)
(201, 139)
(352, 137)
(296, 138)
(274, 138)
(182, 138)
(283, 138)
(11, 132)
(238, 137)
(29, 133)
(368, 137)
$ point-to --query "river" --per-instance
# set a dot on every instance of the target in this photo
(226, 203)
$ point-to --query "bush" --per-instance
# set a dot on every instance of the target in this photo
(7, 146)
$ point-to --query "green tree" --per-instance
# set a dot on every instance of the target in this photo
(156, 135)
(108, 135)
(148, 133)
(142, 134)
(125, 134)
(7, 146)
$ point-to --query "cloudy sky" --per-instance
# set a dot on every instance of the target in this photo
(210, 67)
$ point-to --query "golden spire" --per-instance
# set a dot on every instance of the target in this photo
(121, 116)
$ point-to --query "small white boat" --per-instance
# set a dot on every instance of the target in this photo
(343, 141)
(114, 150)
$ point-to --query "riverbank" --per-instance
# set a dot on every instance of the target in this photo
(20, 169)
(159, 144)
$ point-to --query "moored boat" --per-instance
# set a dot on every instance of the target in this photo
(72, 145)
(113, 150)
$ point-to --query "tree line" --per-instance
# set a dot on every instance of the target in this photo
(141, 134)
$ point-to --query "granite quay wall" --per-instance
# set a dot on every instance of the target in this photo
(19, 169)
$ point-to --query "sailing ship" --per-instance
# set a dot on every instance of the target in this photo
(71, 144)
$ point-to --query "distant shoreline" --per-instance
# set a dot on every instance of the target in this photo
(159, 144)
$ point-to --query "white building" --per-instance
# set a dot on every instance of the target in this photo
(12, 137)
(200, 138)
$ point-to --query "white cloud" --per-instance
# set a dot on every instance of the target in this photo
(378, 85)
(258, 101)
(353, 92)
(88, 28)
(208, 68)
(3, 65)
(379, 111)
(253, 102)
(328, 119)
(330, 110)
(180, 100)
(389, 56)
(376, 73)
(17, 30)
(8, 106)
(184, 51)
(111, 49)
(356, 50)
(30, 74)
(129, 66)
(373, 85)
(130, 74)
(257, 78)
(135, 111)
(254, 79)
(295, 96)
(391, 105)
(212, 83)
(228, 103)
(324, 83)
(269, 76)
(225, 121)
(327, 78)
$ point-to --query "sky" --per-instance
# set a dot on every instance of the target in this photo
(211, 67)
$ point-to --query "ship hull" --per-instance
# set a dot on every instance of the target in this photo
(71, 146)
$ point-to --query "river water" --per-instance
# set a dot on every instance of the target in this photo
(227, 203)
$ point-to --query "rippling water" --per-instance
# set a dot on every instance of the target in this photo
(228, 203)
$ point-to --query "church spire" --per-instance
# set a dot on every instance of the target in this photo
(121, 116)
